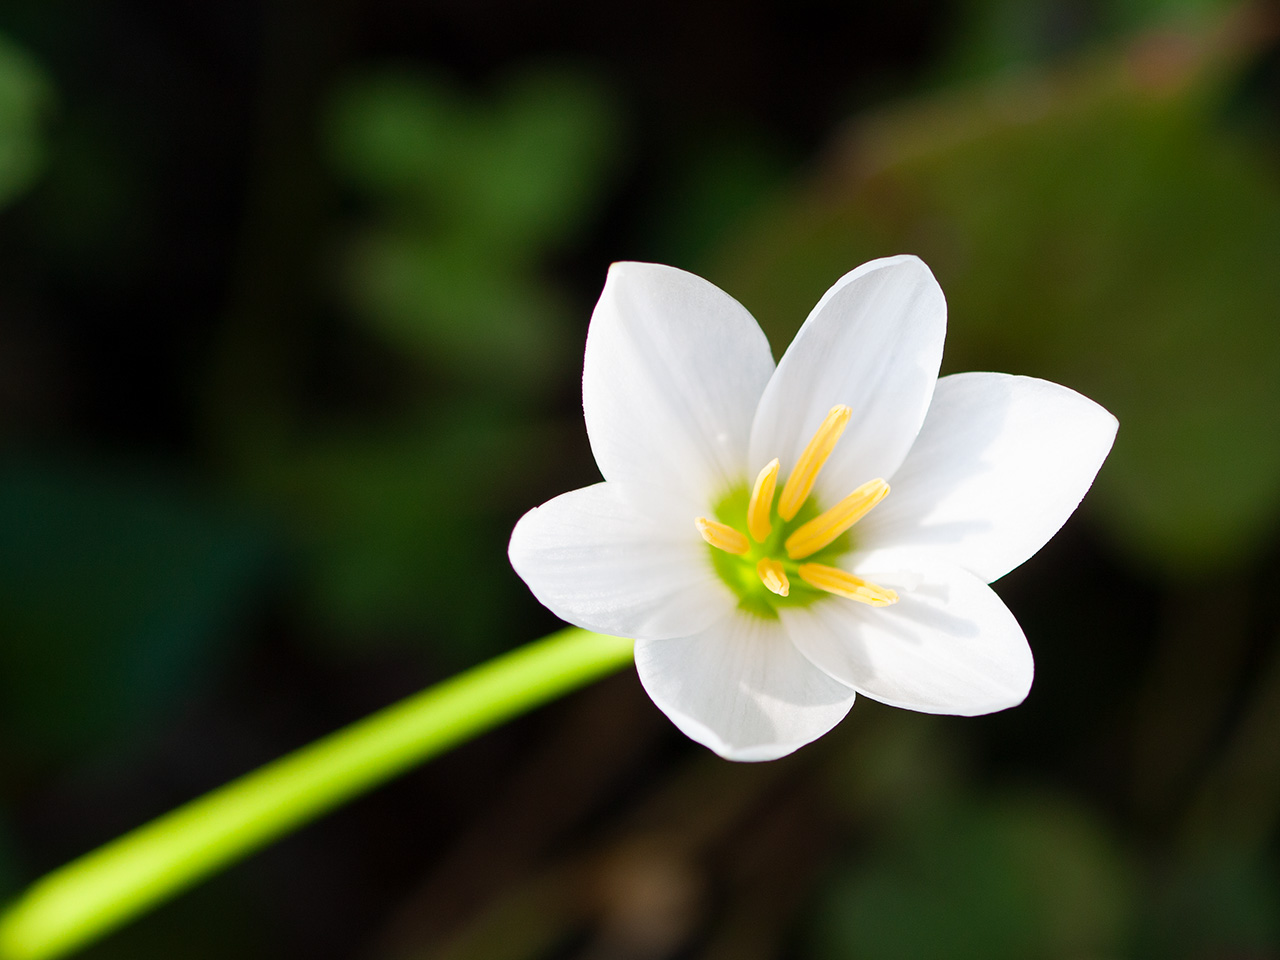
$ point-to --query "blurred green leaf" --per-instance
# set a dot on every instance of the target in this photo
(453, 301)
(470, 196)
(1137, 14)
(997, 35)
(543, 160)
(1005, 36)
(1223, 905)
(402, 528)
(521, 170)
(1007, 880)
(904, 766)
(401, 521)
(1098, 228)
(714, 187)
(116, 594)
(394, 134)
(26, 97)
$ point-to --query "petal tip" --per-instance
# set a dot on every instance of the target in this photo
(634, 269)
(748, 753)
(903, 262)
(516, 541)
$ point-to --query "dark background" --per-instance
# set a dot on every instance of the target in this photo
(292, 304)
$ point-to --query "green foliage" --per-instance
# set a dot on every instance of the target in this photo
(25, 100)
(1221, 905)
(522, 170)
(1006, 36)
(400, 517)
(471, 197)
(451, 300)
(713, 188)
(1101, 229)
(118, 592)
(1103, 226)
(77, 904)
(1003, 880)
(398, 528)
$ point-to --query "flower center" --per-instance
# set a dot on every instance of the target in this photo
(783, 557)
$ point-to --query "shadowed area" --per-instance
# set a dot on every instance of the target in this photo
(293, 306)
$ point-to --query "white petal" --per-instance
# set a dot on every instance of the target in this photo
(873, 342)
(999, 465)
(949, 645)
(597, 562)
(673, 372)
(741, 688)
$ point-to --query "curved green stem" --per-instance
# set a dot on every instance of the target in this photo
(102, 890)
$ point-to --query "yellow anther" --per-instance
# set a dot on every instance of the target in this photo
(722, 536)
(824, 528)
(844, 584)
(773, 576)
(758, 524)
(805, 472)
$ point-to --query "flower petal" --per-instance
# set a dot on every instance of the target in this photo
(874, 343)
(949, 645)
(1000, 464)
(595, 561)
(673, 372)
(741, 688)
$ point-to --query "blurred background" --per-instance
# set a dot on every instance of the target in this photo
(293, 295)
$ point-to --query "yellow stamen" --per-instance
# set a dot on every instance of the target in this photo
(844, 584)
(805, 472)
(722, 536)
(823, 529)
(758, 524)
(772, 576)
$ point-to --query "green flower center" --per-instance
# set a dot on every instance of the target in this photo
(783, 555)
(739, 571)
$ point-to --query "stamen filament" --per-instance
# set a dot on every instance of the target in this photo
(824, 528)
(722, 536)
(761, 504)
(773, 576)
(805, 472)
(845, 584)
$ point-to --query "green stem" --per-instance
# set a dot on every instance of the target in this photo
(87, 898)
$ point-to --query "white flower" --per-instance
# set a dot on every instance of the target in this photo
(756, 624)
